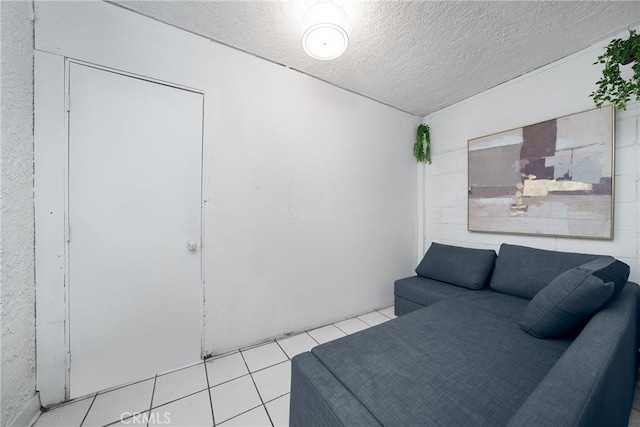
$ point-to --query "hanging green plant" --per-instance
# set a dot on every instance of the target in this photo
(612, 87)
(422, 147)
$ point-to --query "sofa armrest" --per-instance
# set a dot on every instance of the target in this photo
(319, 399)
(592, 384)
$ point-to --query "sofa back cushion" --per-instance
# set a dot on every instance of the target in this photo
(523, 272)
(469, 268)
(564, 306)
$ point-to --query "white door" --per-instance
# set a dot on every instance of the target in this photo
(135, 288)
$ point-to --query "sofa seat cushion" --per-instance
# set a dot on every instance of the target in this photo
(565, 305)
(501, 305)
(523, 272)
(452, 363)
(466, 267)
(425, 291)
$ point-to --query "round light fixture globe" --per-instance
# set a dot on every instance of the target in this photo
(325, 36)
(325, 41)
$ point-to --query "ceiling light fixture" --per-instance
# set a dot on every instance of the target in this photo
(325, 36)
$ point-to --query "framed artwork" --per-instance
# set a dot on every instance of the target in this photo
(554, 178)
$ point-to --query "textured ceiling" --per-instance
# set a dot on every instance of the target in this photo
(418, 56)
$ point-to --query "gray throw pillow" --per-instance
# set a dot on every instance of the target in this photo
(466, 267)
(565, 305)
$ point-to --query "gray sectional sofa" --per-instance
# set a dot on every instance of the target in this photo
(528, 338)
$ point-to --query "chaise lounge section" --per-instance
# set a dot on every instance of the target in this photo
(458, 353)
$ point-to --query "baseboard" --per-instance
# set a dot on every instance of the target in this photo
(29, 413)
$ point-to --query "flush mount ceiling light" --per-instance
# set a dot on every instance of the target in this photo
(325, 36)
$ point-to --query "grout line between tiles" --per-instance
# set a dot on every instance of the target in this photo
(311, 336)
(250, 409)
(282, 349)
(380, 311)
(256, 387)
(339, 329)
(118, 387)
(270, 366)
(367, 323)
(297, 335)
(276, 398)
(162, 374)
(374, 311)
(130, 417)
(228, 381)
(266, 367)
(370, 325)
(90, 406)
(180, 398)
(206, 374)
(153, 392)
(244, 412)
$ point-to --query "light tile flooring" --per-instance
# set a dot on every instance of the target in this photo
(248, 387)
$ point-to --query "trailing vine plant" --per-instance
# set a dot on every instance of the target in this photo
(422, 147)
(612, 87)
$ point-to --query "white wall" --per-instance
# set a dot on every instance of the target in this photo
(16, 213)
(310, 190)
(558, 89)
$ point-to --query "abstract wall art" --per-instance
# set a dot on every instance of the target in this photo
(553, 178)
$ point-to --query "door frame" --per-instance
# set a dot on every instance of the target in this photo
(51, 202)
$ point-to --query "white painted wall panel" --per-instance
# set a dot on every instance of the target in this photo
(558, 89)
(626, 188)
(310, 191)
(50, 155)
(627, 160)
(626, 124)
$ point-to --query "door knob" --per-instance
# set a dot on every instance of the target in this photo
(192, 245)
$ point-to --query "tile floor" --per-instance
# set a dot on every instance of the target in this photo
(248, 387)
